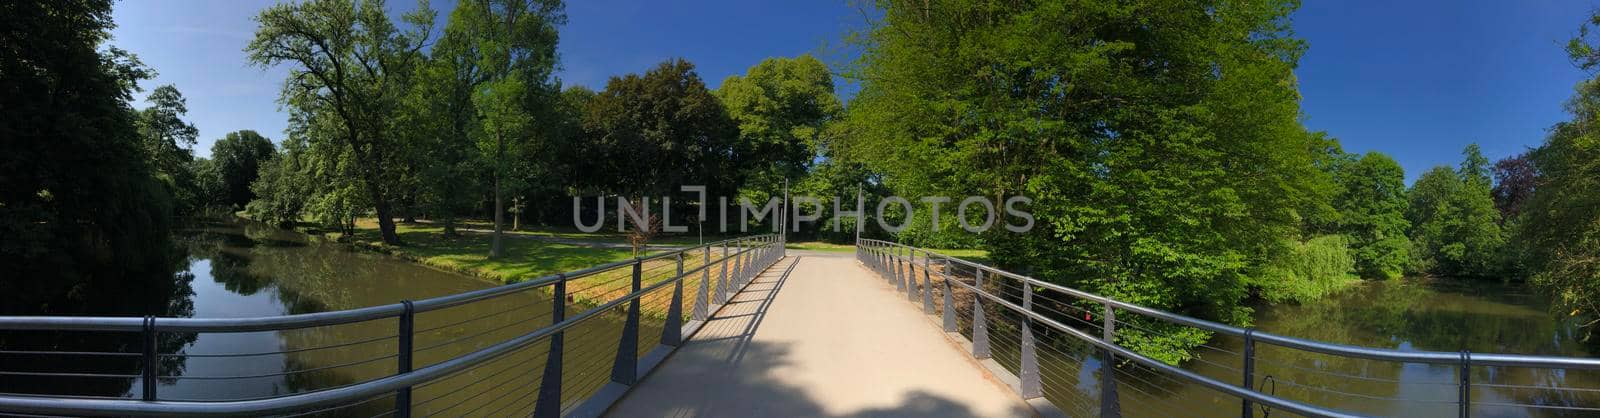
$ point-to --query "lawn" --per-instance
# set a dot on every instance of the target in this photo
(468, 252)
(973, 255)
(527, 258)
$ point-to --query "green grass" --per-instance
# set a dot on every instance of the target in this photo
(973, 255)
(820, 246)
(526, 258)
(468, 252)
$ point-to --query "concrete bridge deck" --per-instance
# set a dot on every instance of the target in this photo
(818, 335)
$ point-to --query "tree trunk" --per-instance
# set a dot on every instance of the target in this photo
(450, 226)
(499, 200)
(386, 223)
(516, 220)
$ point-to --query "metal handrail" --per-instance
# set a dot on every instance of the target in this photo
(1369, 353)
(770, 247)
(307, 320)
(886, 258)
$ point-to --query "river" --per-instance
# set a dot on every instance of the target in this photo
(1408, 314)
(245, 269)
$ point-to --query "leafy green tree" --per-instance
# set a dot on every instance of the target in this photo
(238, 157)
(782, 106)
(168, 139)
(1160, 142)
(282, 185)
(169, 143)
(507, 51)
(1455, 224)
(350, 62)
(208, 182)
(1372, 205)
(1304, 272)
(647, 135)
(1560, 229)
(79, 203)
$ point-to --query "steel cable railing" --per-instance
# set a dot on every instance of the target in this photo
(1026, 326)
(560, 368)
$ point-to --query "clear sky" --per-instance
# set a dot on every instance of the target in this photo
(1417, 79)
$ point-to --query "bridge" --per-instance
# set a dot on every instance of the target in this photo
(745, 327)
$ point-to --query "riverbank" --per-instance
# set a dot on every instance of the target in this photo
(533, 254)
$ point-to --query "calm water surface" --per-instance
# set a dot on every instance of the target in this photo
(1413, 314)
(250, 270)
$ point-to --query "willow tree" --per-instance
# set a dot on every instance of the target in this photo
(349, 61)
(1159, 141)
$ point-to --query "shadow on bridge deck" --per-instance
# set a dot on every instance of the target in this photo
(817, 336)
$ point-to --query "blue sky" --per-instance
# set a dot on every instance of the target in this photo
(1415, 79)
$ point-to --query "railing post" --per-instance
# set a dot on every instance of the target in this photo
(911, 276)
(899, 271)
(548, 405)
(1249, 369)
(738, 264)
(402, 398)
(884, 263)
(1466, 383)
(625, 368)
(152, 365)
(1110, 405)
(672, 331)
(980, 326)
(927, 286)
(1031, 386)
(949, 300)
(722, 281)
(702, 297)
(749, 258)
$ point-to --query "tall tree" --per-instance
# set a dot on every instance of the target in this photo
(238, 157)
(348, 60)
(168, 139)
(1372, 204)
(647, 135)
(1561, 221)
(78, 201)
(1160, 141)
(1455, 225)
(512, 48)
(1514, 181)
(782, 106)
(169, 144)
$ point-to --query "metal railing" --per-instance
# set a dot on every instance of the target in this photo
(554, 394)
(979, 302)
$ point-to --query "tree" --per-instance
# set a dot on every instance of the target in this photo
(79, 202)
(239, 157)
(1372, 205)
(647, 135)
(169, 143)
(1514, 180)
(279, 188)
(168, 139)
(352, 63)
(514, 45)
(781, 106)
(1455, 225)
(1161, 144)
(1561, 220)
